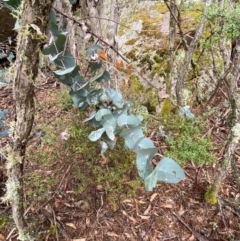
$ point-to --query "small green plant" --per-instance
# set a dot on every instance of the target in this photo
(65, 100)
(115, 172)
(3, 221)
(110, 115)
(187, 141)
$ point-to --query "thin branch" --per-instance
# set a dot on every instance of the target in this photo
(197, 235)
(177, 22)
(103, 41)
(88, 31)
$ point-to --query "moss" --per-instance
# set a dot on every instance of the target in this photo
(124, 26)
(192, 20)
(210, 197)
(160, 7)
(131, 41)
(150, 26)
(146, 60)
(186, 142)
(166, 107)
(132, 55)
(157, 59)
(3, 221)
(159, 69)
(141, 95)
(135, 83)
(152, 101)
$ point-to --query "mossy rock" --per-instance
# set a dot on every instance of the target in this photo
(166, 107)
(142, 95)
(210, 197)
(131, 41)
(160, 7)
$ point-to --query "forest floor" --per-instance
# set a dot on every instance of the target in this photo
(73, 193)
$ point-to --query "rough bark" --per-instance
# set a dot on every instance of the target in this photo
(113, 28)
(92, 10)
(68, 25)
(33, 22)
(193, 45)
(234, 127)
(172, 34)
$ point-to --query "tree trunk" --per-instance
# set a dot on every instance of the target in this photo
(188, 58)
(33, 22)
(234, 126)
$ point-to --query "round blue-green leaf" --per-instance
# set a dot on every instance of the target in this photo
(143, 143)
(91, 116)
(64, 59)
(103, 77)
(95, 66)
(115, 96)
(102, 113)
(12, 4)
(144, 158)
(104, 146)
(56, 46)
(131, 136)
(128, 121)
(151, 181)
(95, 135)
(53, 16)
(93, 49)
(77, 82)
(185, 111)
(54, 29)
(110, 143)
(169, 171)
(109, 123)
(64, 71)
(4, 133)
(3, 113)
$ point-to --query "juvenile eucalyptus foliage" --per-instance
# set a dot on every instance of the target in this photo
(112, 116)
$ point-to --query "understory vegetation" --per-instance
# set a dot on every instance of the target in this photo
(123, 124)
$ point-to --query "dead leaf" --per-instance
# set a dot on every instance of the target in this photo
(57, 204)
(181, 211)
(68, 205)
(72, 225)
(102, 55)
(104, 159)
(124, 213)
(119, 65)
(193, 201)
(83, 205)
(127, 201)
(132, 219)
(79, 239)
(2, 238)
(111, 234)
(192, 238)
(153, 196)
(130, 69)
(64, 136)
(147, 210)
(144, 217)
(166, 206)
(126, 82)
(143, 71)
(128, 235)
(87, 221)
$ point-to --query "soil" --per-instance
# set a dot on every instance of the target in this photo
(170, 212)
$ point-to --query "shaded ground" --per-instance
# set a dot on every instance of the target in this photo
(72, 193)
